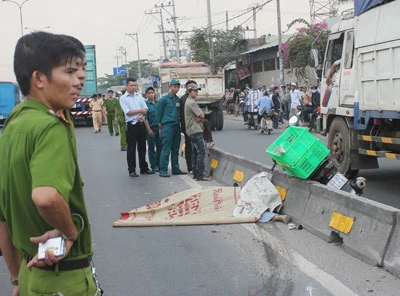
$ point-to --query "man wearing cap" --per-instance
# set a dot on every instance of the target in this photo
(110, 104)
(194, 128)
(170, 132)
(120, 120)
(153, 136)
(135, 109)
(294, 98)
(95, 107)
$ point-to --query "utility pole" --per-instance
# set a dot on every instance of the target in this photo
(227, 21)
(117, 57)
(122, 51)
(210, 41)
(281, 70)
(138, 54)
(254, 21)
(162, 29)
(176, 30)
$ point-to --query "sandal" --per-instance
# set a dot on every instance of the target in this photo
(204, 179)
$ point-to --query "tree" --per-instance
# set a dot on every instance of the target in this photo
(296, 50)
(147, 70)
(225, 43)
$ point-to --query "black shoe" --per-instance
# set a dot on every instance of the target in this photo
(133, 174)
(116, 134)
(147, 172)
(179, 173)
(124, 149)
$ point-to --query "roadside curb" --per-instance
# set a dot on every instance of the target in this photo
(373, 229)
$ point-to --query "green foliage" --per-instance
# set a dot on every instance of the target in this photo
(147, 70)
(296, 50)
(225, 44)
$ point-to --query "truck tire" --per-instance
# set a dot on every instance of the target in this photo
(339, 144)
(220, 120)
(213, 120)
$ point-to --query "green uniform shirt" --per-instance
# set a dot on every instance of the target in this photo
(192, 112)
(120, 112)
(38, 148)
(111, 104)
(168, 110)
(151, 115)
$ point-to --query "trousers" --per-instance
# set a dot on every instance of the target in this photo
(35, 282)
(111, 123)
(96, 116)
(136, 136)
(198, 155)
(171, 138)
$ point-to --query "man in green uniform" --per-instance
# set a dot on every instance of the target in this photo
(110, 104)
(41, 195)
(153, 137)
(120, 120)
(170, 132)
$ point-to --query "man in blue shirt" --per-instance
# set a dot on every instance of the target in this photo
(135, 109)
(168, 108)
(265, 105)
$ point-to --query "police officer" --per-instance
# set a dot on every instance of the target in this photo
(110, 104)
(153, 136)
(170, 133)
(120, 120)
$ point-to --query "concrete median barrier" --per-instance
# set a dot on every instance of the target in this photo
(392, 257)
(368, 230)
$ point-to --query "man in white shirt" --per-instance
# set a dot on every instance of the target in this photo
(295, 99)
(135, 109)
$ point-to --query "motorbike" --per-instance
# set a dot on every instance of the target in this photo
(229, 106)
(314, 119)
(252, 120)
(266, 123)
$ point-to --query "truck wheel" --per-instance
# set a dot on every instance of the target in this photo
(220, 120)
(339, 144)
(213, 120)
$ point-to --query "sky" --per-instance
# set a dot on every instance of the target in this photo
(105, 24)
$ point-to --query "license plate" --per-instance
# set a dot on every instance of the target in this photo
(337, 181)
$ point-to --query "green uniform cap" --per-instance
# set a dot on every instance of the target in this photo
(174, 82)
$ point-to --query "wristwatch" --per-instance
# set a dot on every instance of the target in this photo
(14, 282)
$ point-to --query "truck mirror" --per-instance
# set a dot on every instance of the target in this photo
(314, 63)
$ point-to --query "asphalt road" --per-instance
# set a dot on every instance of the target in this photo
(382, 185)
(253, 259)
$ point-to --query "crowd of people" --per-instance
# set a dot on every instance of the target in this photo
(153, 127)
(279, 102)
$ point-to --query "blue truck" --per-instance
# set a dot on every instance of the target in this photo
(9, 97)
(80, 111)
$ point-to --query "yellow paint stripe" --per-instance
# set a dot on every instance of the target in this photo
(390, 155)
(183, 147)
(341, 222)
(367, 138)
(371, 152)
(214, 164)
(282, 192)
(387, 140)
(238, 176)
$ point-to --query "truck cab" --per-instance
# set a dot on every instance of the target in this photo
(361, 106)
(10, 96)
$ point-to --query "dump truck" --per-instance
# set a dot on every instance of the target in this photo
(360, 108)
(211, 95)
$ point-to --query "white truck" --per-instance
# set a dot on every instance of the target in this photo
(361, 107)
(211, 96)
